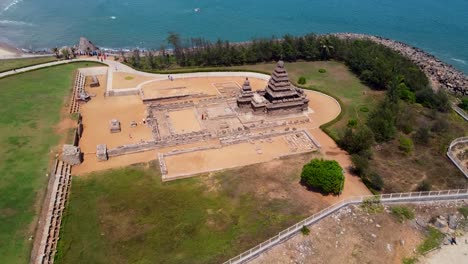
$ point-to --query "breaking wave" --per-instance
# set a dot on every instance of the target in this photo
(459, 60)
(12, 4)
(15, 23)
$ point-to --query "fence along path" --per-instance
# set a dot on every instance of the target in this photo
(383, 198)
(454, 159)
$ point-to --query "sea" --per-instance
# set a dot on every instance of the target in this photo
(438, 27)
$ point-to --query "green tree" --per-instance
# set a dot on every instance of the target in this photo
(65, 53)
(326, 175)
(382, 122)
(56, 52)
(326, 48)
(357, 140)
(360, 164)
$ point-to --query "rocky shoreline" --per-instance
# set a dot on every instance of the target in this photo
(440, 73)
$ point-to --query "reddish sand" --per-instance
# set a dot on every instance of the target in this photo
(184, 121)
(122, 80)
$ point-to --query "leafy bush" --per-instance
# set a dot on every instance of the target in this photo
(424, 186)
(464, 104)
(305, 230)
(364, 109)
(352, 123)
(422, 136)
(376, 181)
(406, 144)
(321, 70)
(326, 175)
(360, 164)
(402, 213)
(382, 122)
(372, 205)
(357, 140)
(302, 80)
(440, 124)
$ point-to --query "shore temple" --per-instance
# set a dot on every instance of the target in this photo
(279, 96)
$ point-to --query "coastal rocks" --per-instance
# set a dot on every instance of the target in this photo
(86, 46)
(440, 73)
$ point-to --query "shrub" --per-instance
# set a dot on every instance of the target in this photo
(302, 80)
(357, 140)
(360, 164)
(305, 230)
(440, 124)
(376, 181)
(382, 122)
(402, 213)
(424, 186)
(326, 175)
(464, 104)
(406, 144)
(364, 109)
(372, 205)
(352, 123)
(321, 70)
(422, 136)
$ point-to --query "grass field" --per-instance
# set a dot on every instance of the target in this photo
(30, 107)
(10, 64)
(337, 81)
(128, 216)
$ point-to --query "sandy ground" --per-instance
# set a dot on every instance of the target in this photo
(7, 51)
(122, 80)
(449, 254)
(184, 121)
(195, 86)
(228, 157)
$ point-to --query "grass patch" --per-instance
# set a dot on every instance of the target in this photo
(410, 260)
(10, 64)
(463, 211)
(402, 213)
(30, 108)
(372, 205)
(433, 239)
(128, 78)
(128, 216)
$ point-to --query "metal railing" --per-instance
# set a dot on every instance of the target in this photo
(454, 159)
(383, 198)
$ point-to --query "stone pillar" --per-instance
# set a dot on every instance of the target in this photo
(101, 152)
(71, 154)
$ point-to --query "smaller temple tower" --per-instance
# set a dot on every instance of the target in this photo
(245, 96)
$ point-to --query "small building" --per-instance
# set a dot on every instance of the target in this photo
(71, 154)
(101, 152)
(114, 126)
(245, 96)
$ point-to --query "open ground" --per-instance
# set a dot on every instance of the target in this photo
(29, 131)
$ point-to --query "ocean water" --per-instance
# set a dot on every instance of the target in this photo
(439, 27)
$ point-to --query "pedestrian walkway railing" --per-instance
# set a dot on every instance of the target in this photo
(411, 197)
(454, 159)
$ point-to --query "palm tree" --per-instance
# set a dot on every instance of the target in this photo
(325, 48)
(55, 51)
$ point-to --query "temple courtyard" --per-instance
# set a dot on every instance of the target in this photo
(196, 124)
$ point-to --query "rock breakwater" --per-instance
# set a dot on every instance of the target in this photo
(440, 73)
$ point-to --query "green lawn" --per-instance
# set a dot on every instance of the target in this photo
(10, 64)
(337, 81)
(30, 107)
(128, 216)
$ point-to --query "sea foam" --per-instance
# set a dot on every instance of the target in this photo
(15, 23)
(459, 60)
(15, 2)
